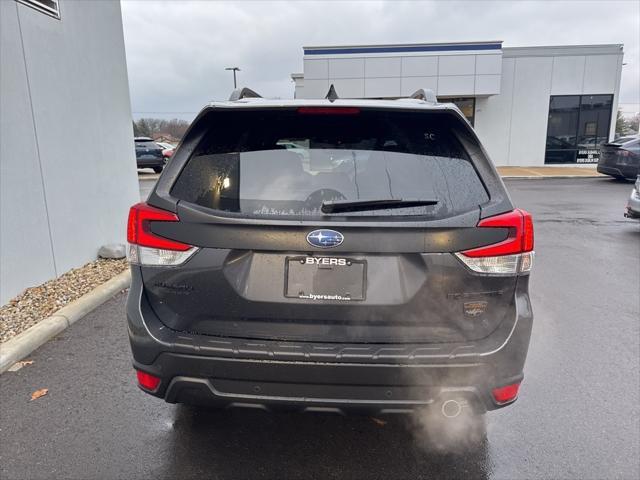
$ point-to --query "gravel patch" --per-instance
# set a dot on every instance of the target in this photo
(37, 303)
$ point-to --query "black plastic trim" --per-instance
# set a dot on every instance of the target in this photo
(386, 238)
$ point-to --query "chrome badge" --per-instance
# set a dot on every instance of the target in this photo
(325, 238)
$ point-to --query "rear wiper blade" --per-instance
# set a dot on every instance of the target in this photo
(335, 206)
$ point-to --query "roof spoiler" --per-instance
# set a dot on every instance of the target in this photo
(244, 92)
(425, 94)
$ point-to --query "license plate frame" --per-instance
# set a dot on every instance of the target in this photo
(324, 282)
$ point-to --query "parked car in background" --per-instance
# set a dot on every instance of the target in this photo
(149, 154)
(621, 158)
(167, 149)
(385, 269)
(166, 146)
(633, 205)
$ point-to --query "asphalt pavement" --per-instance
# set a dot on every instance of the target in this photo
(578, 415)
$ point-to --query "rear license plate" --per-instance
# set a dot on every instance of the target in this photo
(325, 278)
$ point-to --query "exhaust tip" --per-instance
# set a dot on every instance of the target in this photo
(451, 408)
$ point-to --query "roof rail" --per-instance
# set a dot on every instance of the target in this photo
(244, 92)
(332, 95)
(425, 94)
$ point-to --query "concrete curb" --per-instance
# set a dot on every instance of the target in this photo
(26, 342)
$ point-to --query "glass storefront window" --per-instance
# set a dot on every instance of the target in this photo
(578, 124)
(467, 106)
(593, 125)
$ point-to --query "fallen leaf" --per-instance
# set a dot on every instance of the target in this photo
(18, 365)
(382, 423)
(39, 393)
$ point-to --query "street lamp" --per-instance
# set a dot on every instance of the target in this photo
(235, 69)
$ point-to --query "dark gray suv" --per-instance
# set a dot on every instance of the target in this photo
(149, 154)
(334, 256)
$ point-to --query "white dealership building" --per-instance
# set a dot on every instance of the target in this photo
(529, 105)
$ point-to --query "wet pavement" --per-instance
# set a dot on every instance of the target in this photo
(578, 415)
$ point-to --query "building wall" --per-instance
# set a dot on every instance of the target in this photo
(67, 163)
(513, 125)
(512, 86)
(389, 72)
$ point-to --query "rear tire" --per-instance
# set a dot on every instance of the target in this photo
(157, 169)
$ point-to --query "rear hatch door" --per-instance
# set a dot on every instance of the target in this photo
(279, 202)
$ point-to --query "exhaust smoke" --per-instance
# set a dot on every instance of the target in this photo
(448, 426)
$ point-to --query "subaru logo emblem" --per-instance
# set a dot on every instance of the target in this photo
(325, 238)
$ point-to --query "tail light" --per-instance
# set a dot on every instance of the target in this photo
(513, 255)
(506, 394)
(147, 381)
(147, 248)
(329, 110)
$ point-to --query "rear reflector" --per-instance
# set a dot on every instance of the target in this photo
(511, 256)
(506, 394)
(147, 381)
(329, 110)
(147, 248)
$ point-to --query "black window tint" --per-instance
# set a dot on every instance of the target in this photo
(49, 7)
(563, 118)
(284, 164)
(593, 124)
(577, 126)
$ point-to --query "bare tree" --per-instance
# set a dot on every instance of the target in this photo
(621, 124)
(156, 127)
(144, 128)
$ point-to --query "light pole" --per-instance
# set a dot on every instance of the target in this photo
(235, 69)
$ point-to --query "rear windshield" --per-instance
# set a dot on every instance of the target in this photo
(147, 144)
(622, 140)
(286, 163)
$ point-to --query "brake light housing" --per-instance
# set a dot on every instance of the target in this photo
(328, 110)
(512, 256)
(506, 394)
(148, 248)
(147, 381)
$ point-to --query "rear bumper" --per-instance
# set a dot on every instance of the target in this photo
(225, 372)
(627, 171)
(303, 386)
(150, 162)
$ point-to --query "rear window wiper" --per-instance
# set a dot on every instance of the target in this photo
(335, 206)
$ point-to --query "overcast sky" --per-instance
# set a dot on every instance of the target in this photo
(177, 50)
